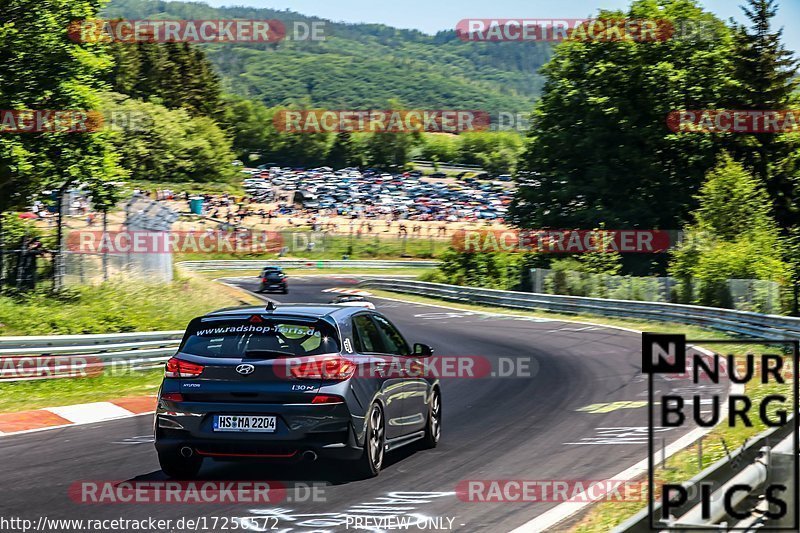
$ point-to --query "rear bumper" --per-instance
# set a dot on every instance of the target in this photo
(243, 451)
(273, 287)
(327, 430)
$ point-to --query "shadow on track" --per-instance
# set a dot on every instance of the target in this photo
(320, 471)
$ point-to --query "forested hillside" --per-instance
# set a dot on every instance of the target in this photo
(363, 65)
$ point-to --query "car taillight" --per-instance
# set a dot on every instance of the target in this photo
(264, 280)
(172, 396)
(177, 368)
(327, 398)
(335, 368)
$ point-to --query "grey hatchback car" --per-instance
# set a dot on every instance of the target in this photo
(297, 382)
(273, 279)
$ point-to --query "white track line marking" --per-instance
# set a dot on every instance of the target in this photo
(354, 292)
(87, 413)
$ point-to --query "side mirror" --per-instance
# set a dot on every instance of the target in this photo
(422, 350)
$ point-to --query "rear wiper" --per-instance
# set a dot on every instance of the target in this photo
(267, 354)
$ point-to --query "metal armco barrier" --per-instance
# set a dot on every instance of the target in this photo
(767, 458)
(247, 264)
(737, 322)
(67, 356)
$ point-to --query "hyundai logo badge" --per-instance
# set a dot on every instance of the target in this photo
(245, 369)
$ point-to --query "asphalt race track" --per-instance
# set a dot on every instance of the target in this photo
(494, 428)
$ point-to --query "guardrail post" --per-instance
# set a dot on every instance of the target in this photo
(781, 471)
(700, 454)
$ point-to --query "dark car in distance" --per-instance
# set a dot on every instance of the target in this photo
(296, 382)
(273, 279)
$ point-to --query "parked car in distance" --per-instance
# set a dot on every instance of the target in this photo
(273, 279)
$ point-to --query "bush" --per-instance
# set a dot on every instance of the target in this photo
(733, 237)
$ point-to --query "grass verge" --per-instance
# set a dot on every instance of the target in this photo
(117, 306)
(26, 395)
(114, 307)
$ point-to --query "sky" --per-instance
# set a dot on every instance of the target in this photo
(431, 16)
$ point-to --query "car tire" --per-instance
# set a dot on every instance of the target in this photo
(371, 460)
(285, 291)
(177, 467)
(433, 429)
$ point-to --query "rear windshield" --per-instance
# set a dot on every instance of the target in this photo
(273, 274)
(260, 338)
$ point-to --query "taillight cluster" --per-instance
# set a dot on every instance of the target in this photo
(331, 368)
(177, 368)
(327, 398)
(172, 396)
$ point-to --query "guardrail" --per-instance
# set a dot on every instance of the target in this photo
(249, 264)
(68, 356)
(767, 457)
(729, 320)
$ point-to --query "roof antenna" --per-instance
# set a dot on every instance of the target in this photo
(271, 306)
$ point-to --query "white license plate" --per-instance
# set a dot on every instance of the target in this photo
(252, 424)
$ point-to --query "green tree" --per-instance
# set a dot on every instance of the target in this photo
(250, 125)
(494, 270)
(343, 152)
(44, 70)
(733, 237)
(390, 151)
(299, 149)
(440, 148)
(177, 75)
(766, 77)
(600, 151)
(169, 144)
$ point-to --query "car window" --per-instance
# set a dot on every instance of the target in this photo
(235, 338)
(392, 339)
(368, 338)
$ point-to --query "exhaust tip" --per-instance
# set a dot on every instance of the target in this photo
(187, 452)
(309, 455)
